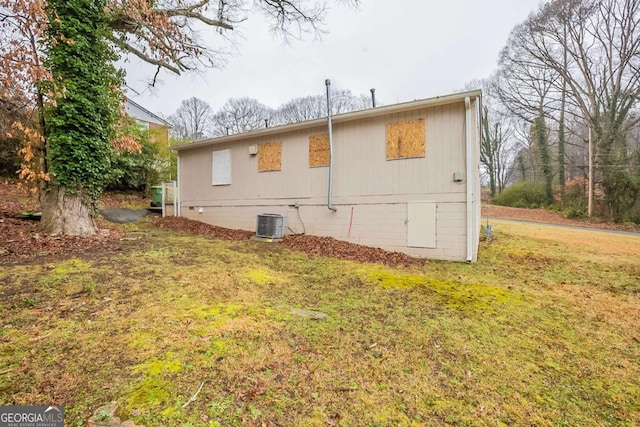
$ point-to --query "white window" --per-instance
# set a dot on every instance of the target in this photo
(221, 167)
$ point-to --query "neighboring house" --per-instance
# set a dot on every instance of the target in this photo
(157, 126)
(405, 177)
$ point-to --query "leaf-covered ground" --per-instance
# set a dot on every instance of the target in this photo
(541, 331)
(552, 217)
(21, 239)
(312, 245)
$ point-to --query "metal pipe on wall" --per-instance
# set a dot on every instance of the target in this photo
(330, 206)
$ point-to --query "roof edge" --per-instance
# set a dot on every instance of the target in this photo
(149, 112)
(338, 118)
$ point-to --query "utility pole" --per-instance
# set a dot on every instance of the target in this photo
(590, 203)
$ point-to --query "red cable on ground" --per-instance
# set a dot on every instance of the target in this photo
(350, 223)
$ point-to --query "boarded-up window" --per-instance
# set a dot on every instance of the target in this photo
(221, 167)
(319, 150)
(270, 156)
(406, 139)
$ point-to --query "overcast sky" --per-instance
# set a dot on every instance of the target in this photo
(405, 49)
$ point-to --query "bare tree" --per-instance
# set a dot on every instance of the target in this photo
(495, 149)
(168, 34)
(241, 115)
(577, 61)
(596, 55)
(302, 109)
(526, 89)
(315, 106)
(523, 85)
(192, 120)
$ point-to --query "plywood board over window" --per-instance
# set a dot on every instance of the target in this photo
(221, 167)
(319, 150)
(406, 139)
(270, 156)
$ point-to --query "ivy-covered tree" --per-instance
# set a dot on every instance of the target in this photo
(80, 120)
(76, 89)
(540, 137)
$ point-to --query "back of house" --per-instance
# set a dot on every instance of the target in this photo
(402, 177)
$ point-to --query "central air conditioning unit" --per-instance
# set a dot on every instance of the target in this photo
(270, 226)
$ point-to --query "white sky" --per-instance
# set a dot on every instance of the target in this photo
(405, 49)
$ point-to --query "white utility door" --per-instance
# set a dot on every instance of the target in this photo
(421, 224)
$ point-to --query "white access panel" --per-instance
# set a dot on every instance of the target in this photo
(421, 224)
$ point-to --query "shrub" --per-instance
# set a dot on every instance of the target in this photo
(575, 200)
(526, 194)
(132, 170)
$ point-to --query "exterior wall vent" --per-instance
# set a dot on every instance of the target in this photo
(270, 226)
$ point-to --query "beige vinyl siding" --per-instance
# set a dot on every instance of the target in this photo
(377, 189)
(360, 164)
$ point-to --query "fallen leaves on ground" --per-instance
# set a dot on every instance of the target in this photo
(21, 239)
(328, 246)
(543, 215)
(313, 245)
(196, 227)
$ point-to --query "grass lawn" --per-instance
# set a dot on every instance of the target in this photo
(542, 331)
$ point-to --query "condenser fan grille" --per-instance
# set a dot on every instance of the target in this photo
(270, 226)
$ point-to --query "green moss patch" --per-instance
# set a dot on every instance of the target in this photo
(454, 295)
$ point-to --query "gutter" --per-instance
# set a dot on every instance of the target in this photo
(467, 126)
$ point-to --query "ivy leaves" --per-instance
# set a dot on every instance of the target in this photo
(80, 123)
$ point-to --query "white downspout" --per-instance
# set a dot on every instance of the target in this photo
(178, 185)
(469, 172)
(330, 191)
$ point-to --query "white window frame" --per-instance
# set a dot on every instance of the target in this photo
(221, 167)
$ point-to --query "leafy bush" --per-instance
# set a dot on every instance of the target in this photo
(526, 194)
(135, 171)
(132, 170)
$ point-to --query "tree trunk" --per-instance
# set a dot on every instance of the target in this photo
(66, 213)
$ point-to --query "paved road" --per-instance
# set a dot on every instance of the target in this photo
(575, 227)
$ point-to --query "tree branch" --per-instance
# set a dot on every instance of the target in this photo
(146, 58)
